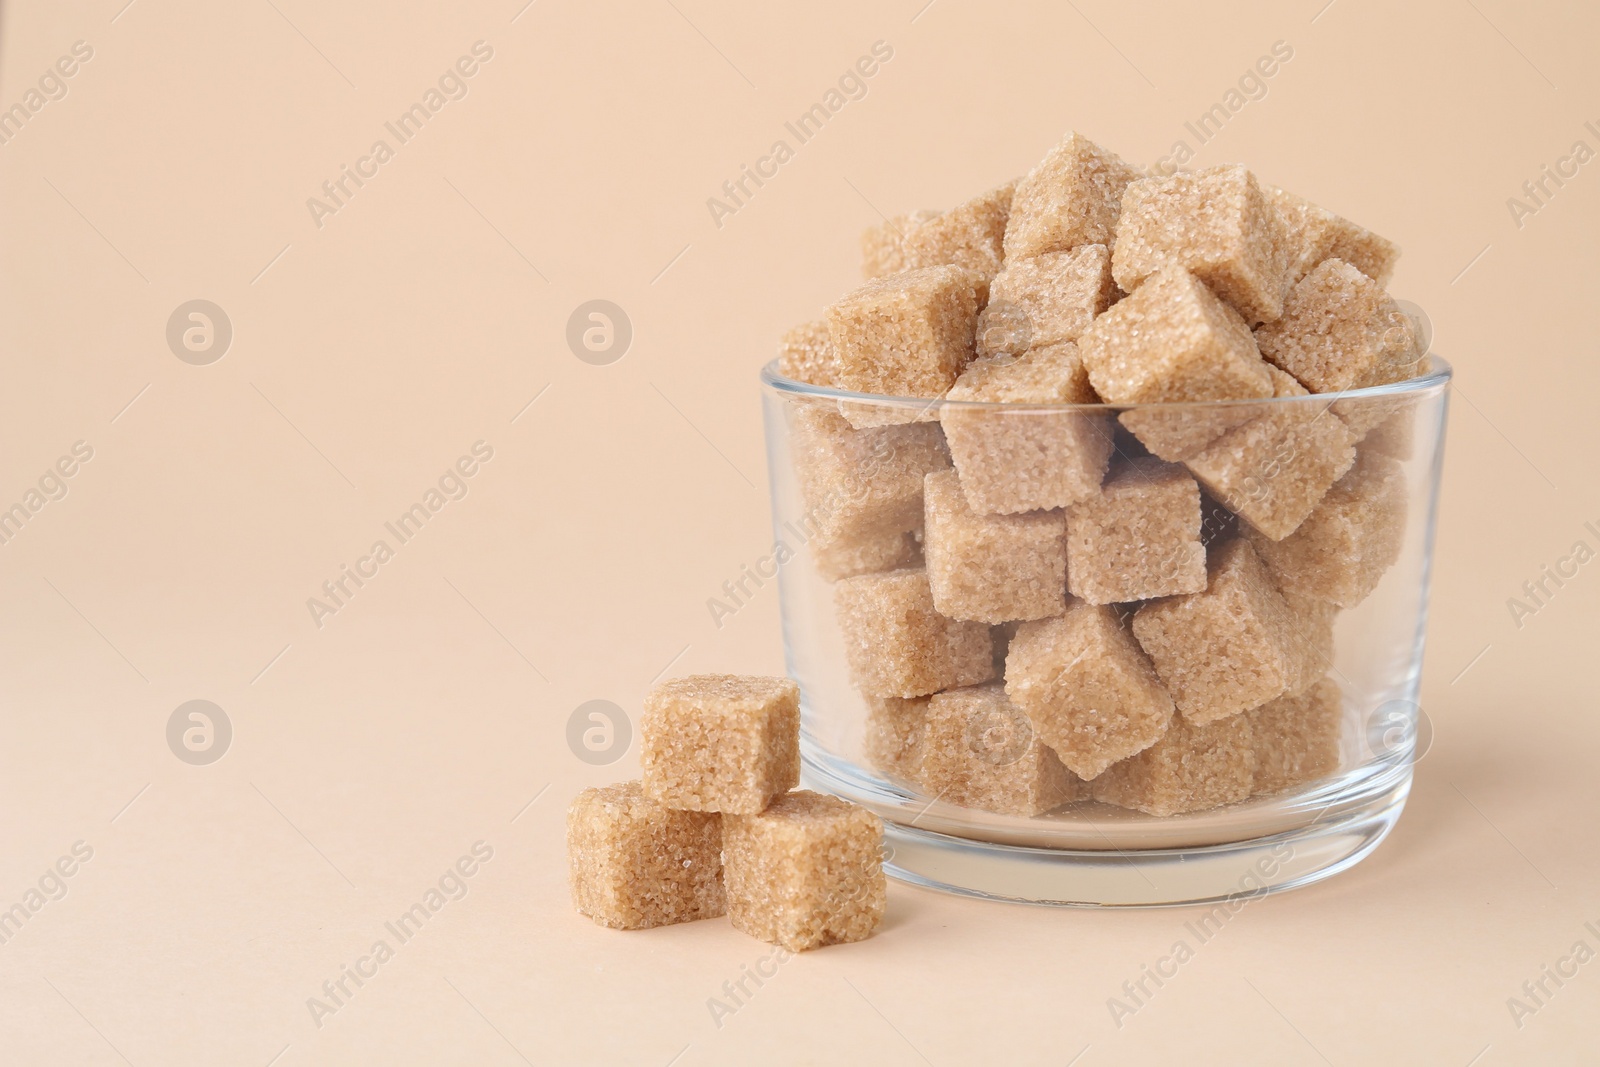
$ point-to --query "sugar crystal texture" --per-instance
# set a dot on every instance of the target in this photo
(1045, 300)
(992, 568)
(1016, 459)
(883, 247)
(1340, 330)
(1174, 341)
(1272, 470)
(1215, 223)
(1313, 621)
(1315, 234)
(635, 863)
(806, 872)
(980, 752)
(968, 236)
(1087, 688)
(1071, 198)
(862, 489)
(1296, 738)
(893, 735)
(908, 334)
(1354, 536)
(897, 643)
(1192, 768)
(1229, 649)
(1139, 537)
(720, 742)
(1395, 435)
(805, 354)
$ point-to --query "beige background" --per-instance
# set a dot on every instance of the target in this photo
(368, 354)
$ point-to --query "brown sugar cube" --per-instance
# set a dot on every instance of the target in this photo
(862, 490)
(1215, 223)
(1071, 198)
(720, 742)
(1339, 331)
(1273, 470)
(908, 334)
(883, 247)
(1087, 688)
(1045, 300)
(1013, 460)
(1138, 537)
(1395, 435)
(1173, 340)
(897, 643)
(1313, 620)
(806, 872)
(1354, 536)
(1296, 738)
(1315, 234)
(1192, 768)
(892, 740)
(635, 863)
(1229, 649)
(981, 753)
(968, 236)
(992, 568)
(805, 354)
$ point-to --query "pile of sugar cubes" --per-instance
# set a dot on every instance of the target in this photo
(715, 825)
(1149, 593)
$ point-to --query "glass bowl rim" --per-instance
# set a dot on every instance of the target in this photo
(1439, 373)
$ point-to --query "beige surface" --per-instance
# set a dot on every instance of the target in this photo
(424, 714)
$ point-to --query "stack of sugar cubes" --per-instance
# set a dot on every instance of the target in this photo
(1150, 590)
(715, 825)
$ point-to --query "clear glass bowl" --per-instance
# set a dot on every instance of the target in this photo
(1088, 852)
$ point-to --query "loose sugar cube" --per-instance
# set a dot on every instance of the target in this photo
(635, 863)
(908, 334)
(1341, 552)
(1045, 300)
(862, 490)
(981, 753)
(1340, 330)
(1192, 768)
(969, 236)
(1173, 340)
(883, 249)
(894, 732)
(1274, 469)
(806, 872)
(1071, 198)
(1087, 688)
(897, 643)
(1218, 225)
(805, 354)
(1015, 459)
(720, 742)
(992, 568)
(1296, 738)
(1138, 537)
(1226, 650)
(1315, 234)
